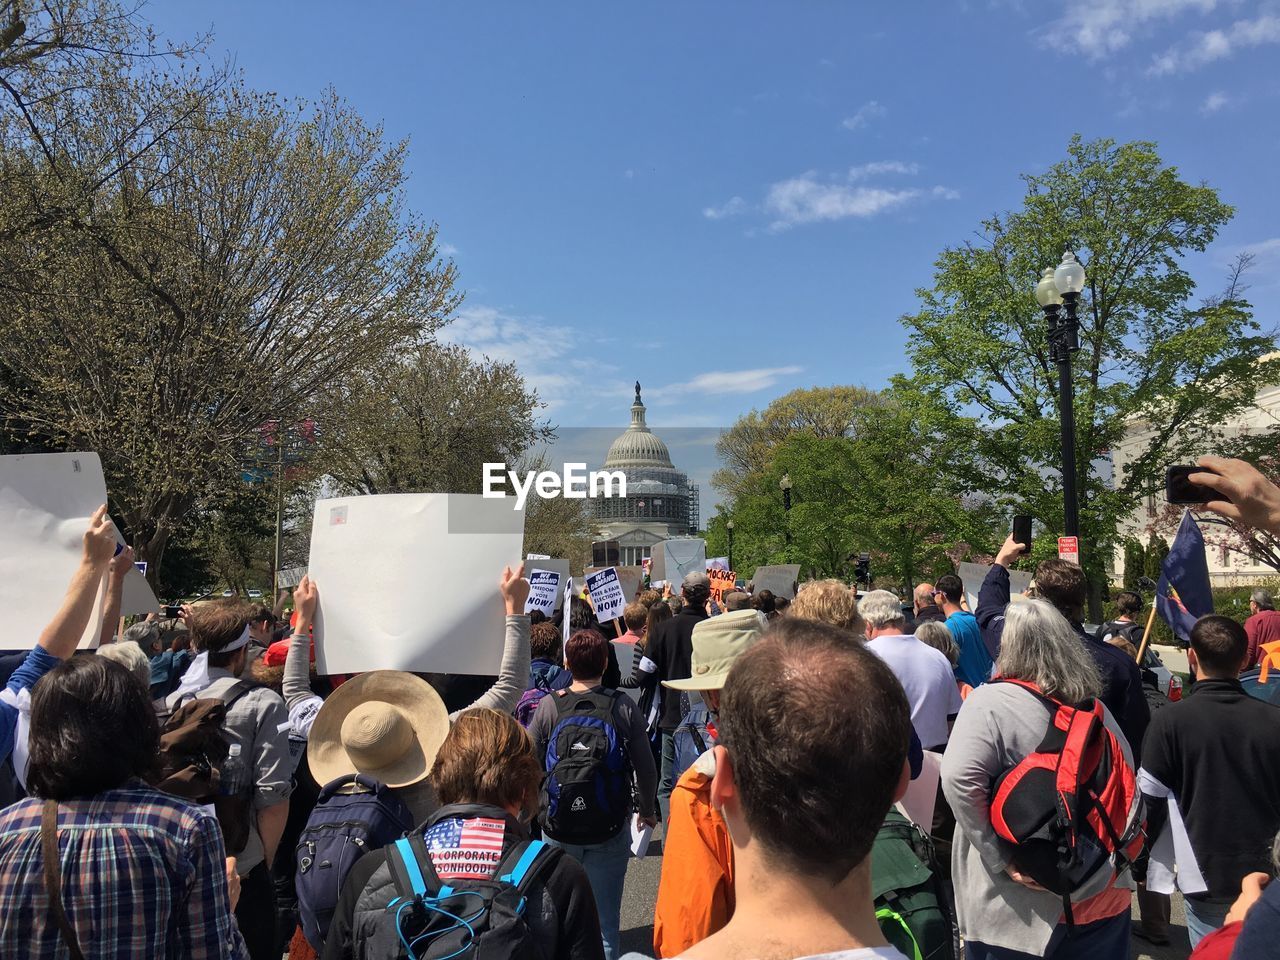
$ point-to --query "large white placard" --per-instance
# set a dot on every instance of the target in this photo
(46, 500)
(137, 597)
(544, 589)
(779, 579)
(606, 594)
(673, 560)
(972, 575)
(410, 581)
(551, 564)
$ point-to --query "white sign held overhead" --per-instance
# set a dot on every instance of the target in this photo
(537, 556)
(606, 594)
(46, 501)
(779, 579)
(410, 581)
(544, 591)
(629, 577)
(675, 559)
(290, 577)
(137, 597)
(552, 566)
(972, 575)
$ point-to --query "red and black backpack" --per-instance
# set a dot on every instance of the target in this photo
(1072, 808)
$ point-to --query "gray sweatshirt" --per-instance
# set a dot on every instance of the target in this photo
(998, 726)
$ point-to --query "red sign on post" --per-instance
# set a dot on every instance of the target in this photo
(1069, 549)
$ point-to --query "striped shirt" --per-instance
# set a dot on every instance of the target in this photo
(143, 875)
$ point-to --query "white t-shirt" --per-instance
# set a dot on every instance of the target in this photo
(930, 683)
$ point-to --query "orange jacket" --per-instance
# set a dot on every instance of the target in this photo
(695, 893)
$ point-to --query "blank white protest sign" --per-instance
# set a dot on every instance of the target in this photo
(410, 581)
(46, 500)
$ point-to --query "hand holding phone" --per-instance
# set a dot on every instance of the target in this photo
(1178, 487)
(1022, 531)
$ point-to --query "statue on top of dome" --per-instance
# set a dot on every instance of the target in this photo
(637, 391)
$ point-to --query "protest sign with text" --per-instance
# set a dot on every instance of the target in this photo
(606, 594)
(722, 582)
(544, 591)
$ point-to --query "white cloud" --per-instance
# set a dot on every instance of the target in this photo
(629, 173)
(880, 168)
(733, 207)
(1209, 46)
(805, 199)
(1265, 253)
(1214, 102)
(1099, 28)
(727, 381)
(869, 111)
(549, 356)
(446, 249)
(945, 193)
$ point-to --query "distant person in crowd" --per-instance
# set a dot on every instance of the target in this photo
(925, 674)
(546, 664)
(1215, 758)
(487, 777)
(781, 605)
(763, 600)
(262, 625)
(1063, 584)
(258, 721)
(974, 666)
(130, 656)
(737, 600)
(635, 617)
(146, 634)
(536, 617)
(829, 601)
(582, 616)
(695, 891)
(935, 634)
(647, 598)
(57, 642)
(140, 873)
(670, 649)
(926, 609)
(804, 705)
(1003, 914)
(1262, 625)
(605, 861)
(169, 666)
(1128, 607)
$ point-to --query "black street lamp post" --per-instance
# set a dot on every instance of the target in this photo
(785, 485)
(1058, 294)
(729, 526)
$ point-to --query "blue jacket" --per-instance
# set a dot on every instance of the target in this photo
(38, 662)
(545, 675)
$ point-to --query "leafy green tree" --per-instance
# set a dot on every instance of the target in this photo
(1135, 558)
(1149, 353)
(1157, 550)
(258, 253)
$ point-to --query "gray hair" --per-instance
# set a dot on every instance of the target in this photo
(1040, 646)
(145, 634)
(1263, 599)
(880, 608)
(129, 655)
(937, 635)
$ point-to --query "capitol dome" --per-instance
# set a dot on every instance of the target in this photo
(638, 446)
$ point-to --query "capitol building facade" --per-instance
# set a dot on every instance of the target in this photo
(661, 503)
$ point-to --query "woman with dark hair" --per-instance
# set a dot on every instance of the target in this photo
(138, 873)
(487, 778)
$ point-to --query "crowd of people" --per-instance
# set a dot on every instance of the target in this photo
(844, 777)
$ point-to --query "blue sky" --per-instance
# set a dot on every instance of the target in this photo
(729, 200)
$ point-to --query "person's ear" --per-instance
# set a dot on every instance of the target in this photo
(724, 789)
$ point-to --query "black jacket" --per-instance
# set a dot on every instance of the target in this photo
(1218, 750)
(671, 648)
(1121, 678)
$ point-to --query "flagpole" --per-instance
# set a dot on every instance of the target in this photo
(1146, 634)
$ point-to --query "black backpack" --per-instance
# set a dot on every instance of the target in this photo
(469, 919)
(342, 828)
(586, 796)
(911, 900)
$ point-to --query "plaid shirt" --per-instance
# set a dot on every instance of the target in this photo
(143, 875)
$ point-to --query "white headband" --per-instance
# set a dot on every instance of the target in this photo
(237, 643)
(197, 676)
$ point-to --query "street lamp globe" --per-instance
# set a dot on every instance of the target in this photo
(785, 482)
(1047, 294)
(729, 524)
(1069, 277)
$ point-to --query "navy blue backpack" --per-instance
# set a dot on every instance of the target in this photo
(586, 797)
(692, 738)
(342, 828)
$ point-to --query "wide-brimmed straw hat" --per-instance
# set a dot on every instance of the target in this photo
(386, 724)
(717, 643)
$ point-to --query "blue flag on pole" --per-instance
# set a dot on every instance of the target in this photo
(1183, 595)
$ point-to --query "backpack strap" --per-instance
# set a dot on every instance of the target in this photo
(412, 871)
(885, 913)
(333, 787)
(531, 857)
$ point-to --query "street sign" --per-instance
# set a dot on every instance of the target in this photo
(1069, 549)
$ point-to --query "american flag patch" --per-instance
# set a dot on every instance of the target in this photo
(466, 849)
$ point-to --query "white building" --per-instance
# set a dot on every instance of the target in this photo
(1226, 567)
(661, 503)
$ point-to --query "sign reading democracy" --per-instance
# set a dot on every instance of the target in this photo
(606, 594)
(722, 582)
(544, 591)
